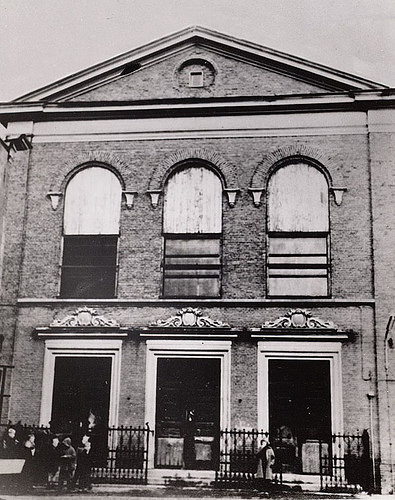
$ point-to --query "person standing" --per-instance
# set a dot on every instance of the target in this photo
(68, 461)
(265, 460)
(189, 440)
(29, 472)
(11, 447)
(53, 462)
(84, 463)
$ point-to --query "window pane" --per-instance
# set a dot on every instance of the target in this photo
(297, 245)
(191, 287)
(196, 79)
(297, 265)
(83, 282)
(297, 287)
(89, 266)
(192, 267)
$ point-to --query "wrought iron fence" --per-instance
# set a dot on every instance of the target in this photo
(119, 454)
(237, 461)
(342, 463)
(127, 456)
(346, 464)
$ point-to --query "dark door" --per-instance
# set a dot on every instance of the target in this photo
(187, 413)
(299, 411)
(81, 398)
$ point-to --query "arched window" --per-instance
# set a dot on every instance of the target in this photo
(298, 232)
(192, 230)
(90, 234)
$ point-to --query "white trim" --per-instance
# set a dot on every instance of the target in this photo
(382, 120)
(330, 351)
(342, 122)
(265, 125)
(81, 348)
(186, 349)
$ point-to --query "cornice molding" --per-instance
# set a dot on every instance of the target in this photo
(155, 302)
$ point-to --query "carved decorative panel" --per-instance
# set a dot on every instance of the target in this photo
(190, 317)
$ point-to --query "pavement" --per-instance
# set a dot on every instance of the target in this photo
(120, 492)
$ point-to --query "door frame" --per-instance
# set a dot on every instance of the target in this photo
(294, 350)
(157, 349)
(81, 348)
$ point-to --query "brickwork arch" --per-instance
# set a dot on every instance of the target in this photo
(226, 170)
(83, 160)
(273, 160)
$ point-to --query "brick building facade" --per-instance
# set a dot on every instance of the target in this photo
(204, 210)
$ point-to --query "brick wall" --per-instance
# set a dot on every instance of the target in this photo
(357, 360)
(383, 193)
(233, 78)
(243, 225)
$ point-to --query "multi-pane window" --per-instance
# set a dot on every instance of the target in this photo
(192, 230)
(298, 232)
(90, 234)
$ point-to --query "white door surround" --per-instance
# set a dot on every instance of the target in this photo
(81, 348)
(186, 349)
(297, 350)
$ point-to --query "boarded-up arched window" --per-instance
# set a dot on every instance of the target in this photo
(192, 227)
(91, 229)
(298, 232)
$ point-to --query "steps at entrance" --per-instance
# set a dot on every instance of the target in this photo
(178, 477)
(306, 482)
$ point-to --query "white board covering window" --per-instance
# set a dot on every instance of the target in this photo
(91, 230)
(92, 202)
(192, 227)
(298, 232)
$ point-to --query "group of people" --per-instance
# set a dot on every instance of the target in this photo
(53, 460)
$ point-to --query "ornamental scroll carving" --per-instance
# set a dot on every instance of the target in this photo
(300, 318)
(83, 317)
(190, 317)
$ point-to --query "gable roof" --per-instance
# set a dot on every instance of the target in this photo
(127, 62)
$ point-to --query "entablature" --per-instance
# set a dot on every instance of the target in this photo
(192, 323)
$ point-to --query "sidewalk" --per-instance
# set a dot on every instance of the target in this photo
(120, 492)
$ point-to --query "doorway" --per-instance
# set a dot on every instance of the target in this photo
(81, 399)
(299, 412)
(187, 413)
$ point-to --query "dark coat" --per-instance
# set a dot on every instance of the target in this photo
(11, 448)
(68, 457)
(52, 458)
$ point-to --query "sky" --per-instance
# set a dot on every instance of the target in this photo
(42, 41)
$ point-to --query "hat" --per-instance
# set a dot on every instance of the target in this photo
(67, 441)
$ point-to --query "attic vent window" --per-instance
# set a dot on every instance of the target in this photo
(196, 78)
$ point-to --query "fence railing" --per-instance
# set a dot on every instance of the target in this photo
(127, 456)
(341, 463)
(346, 464)
(237, 461)
(119, 454)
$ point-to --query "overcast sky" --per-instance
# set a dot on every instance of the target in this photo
(44, 40)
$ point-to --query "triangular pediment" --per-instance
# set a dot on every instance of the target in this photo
(234, 68)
